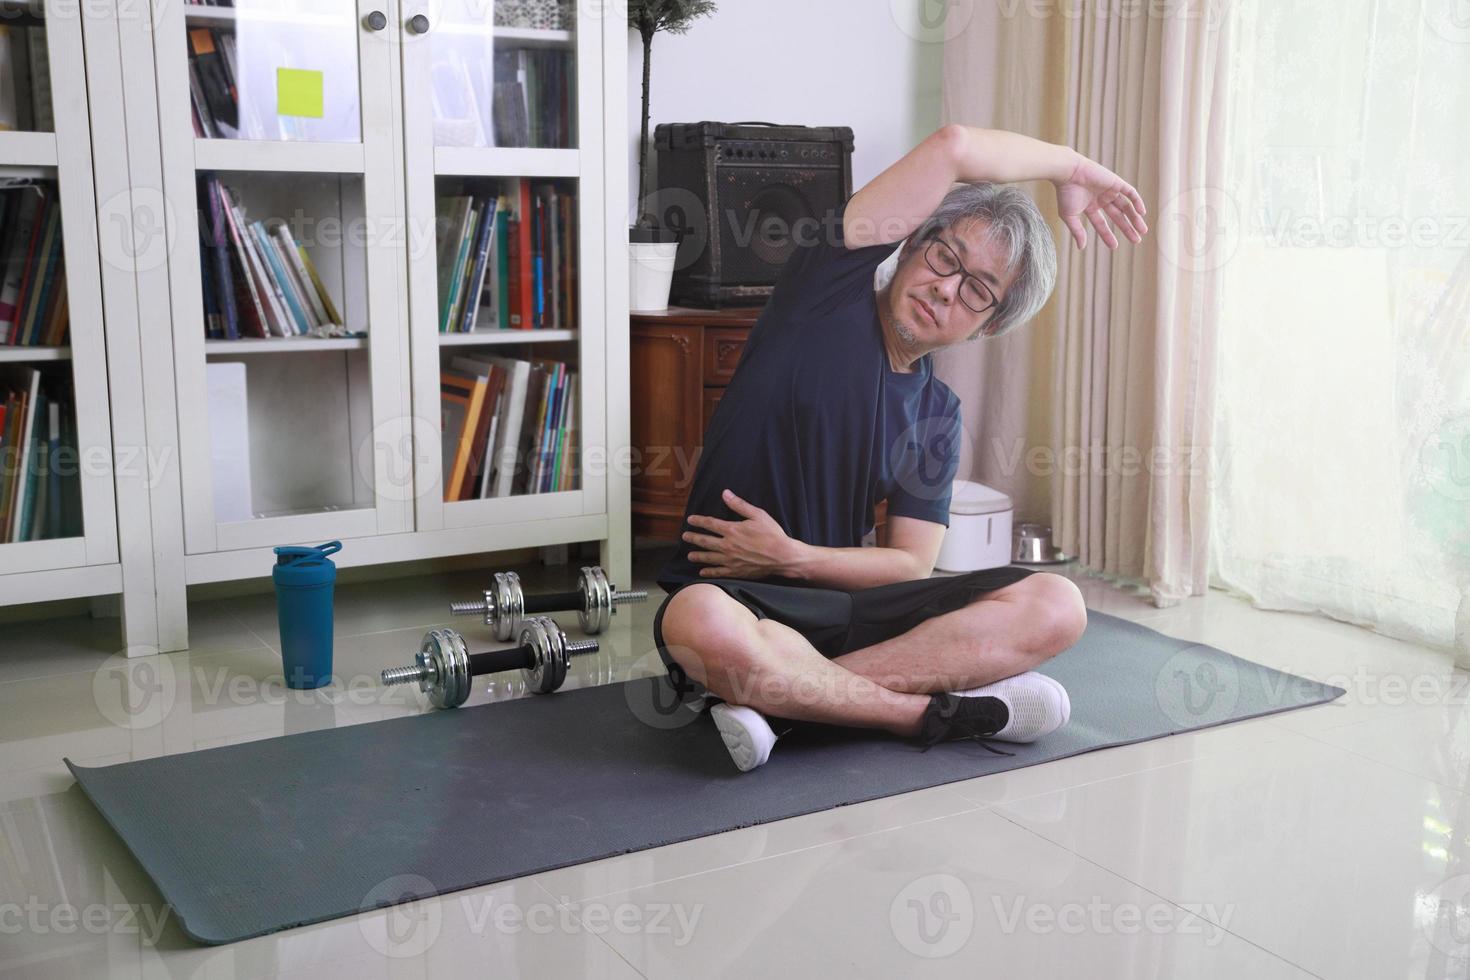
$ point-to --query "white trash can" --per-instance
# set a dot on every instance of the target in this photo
(979, 534)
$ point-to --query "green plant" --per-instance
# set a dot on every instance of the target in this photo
(649, 17)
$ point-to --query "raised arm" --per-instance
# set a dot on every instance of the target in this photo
(897, 201)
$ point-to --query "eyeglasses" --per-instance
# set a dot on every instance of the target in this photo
(973, 293)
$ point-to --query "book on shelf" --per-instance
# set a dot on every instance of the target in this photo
(461, 405)
(258, 281)
(211, 84)
(506, 260)
(533, 97)
(33, 304)
(40, 489)
(508, 97)
(508, 426)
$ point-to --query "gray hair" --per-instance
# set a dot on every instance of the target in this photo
(1025, 236)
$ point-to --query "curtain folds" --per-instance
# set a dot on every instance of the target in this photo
(1097, 417)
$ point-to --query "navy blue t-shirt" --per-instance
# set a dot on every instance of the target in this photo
(815, 426)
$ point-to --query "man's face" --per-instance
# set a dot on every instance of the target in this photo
(935, 310)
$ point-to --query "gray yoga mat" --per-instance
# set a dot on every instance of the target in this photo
(249, 839)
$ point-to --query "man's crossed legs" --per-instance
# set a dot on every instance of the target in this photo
(891, 658)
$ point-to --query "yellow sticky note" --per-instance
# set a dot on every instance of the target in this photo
(299, 92)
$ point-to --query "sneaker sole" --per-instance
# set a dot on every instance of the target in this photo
(737, 739)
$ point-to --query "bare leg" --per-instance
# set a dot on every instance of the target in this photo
(1002, 633)
(772, 668)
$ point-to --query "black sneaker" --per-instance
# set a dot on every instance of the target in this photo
(950, 717)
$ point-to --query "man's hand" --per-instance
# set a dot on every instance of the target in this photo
(755, 547)
(1094, 190)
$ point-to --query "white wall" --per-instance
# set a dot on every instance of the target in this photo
(794, 62)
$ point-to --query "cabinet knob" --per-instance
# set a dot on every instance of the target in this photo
(375, 21)
(419, 24)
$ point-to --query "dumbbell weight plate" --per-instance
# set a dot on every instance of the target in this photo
(510, 604)
(444, 653)
(552, 659)
(597, 607)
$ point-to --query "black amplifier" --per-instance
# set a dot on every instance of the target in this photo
(735, 190)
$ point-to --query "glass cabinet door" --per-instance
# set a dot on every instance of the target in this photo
(506, 333)
(56, 461)
(274, 70)
(503, 74)
(277, 127)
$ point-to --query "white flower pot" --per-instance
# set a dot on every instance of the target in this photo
(650, 275)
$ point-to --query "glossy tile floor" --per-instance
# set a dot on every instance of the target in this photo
(1331, 841)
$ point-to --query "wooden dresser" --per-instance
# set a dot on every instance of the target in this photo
(681, 361)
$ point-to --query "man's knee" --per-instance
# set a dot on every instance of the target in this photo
(1059, 612)
(703, 624)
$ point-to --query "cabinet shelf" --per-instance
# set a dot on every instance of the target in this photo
(22, 355)
(28, 149)
(340, 508)
(506, 161)
(478, 338)
(271, 156)
(280, 345)
(517, 37)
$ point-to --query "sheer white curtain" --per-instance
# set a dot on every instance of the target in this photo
(1342, 237)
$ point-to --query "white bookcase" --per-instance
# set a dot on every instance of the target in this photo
(341, 433)
(92, 370)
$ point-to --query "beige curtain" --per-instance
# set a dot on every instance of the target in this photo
(1096, 417)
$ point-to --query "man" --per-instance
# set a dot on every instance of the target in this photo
(774, 607)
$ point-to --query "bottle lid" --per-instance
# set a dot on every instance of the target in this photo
(299, 556)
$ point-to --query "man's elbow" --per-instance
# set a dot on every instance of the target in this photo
(914, 567)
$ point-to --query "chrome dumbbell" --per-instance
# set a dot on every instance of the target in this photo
(504, 605)
(443, 668)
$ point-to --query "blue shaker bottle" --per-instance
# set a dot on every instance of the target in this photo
(304, 578)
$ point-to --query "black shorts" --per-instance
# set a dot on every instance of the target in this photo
(838, 621)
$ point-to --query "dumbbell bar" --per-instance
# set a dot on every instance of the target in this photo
(505, 605)
(443, 668)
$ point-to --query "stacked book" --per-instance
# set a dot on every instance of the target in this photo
(213, 91)
(509, 426)
(258, 281)
(40, 490)
(507, 260)
(33, 307)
